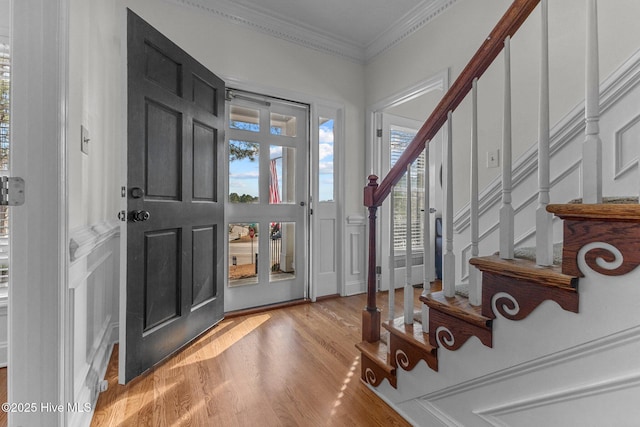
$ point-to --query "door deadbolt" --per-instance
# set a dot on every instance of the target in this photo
(137, 192)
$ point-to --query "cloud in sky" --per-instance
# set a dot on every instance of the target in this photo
(246, 175)
(326, 135)
(325, 150)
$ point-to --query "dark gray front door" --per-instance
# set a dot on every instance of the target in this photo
(175, 229)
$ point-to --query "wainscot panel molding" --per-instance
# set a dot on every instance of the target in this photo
(93, 310)
(355, 271)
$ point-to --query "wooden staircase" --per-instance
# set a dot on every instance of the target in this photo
(511, 290)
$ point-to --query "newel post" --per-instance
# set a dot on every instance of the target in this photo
(371, 314)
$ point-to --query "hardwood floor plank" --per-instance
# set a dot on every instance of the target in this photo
(294, 366)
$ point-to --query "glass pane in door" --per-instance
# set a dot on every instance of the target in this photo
(282, 175)
(244, 172)
(283, 125)
(243, 118)
(243, 254)
(282, 251)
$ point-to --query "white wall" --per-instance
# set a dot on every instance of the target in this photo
(248, 56)
(452, 39)
(95, 102)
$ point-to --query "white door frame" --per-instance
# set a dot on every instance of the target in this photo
(38, 369)
(317, 106)
(437, 82)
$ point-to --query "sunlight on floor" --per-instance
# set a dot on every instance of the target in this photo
(236, 331)
(345, 383)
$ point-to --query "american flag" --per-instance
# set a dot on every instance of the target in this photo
(274, 191)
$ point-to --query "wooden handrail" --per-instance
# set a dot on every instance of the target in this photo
(513, 18)
(375, 194)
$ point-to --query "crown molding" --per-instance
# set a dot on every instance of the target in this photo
(315, 38)
(413, 21)
(258, 21)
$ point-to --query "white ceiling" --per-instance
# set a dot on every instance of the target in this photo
(355, 29)
(358, 22)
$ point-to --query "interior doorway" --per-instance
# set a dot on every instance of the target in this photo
(268, 200)
(393, 123)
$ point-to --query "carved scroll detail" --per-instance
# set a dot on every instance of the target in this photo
(505, 304)
(402, 359)
(602, 258)
(445, 337)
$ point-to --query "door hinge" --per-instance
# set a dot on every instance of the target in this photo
(11, 191)
(379, 133)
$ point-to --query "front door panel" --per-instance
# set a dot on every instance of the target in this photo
(175, 212)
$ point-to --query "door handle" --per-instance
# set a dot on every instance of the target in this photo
(302, 204)
(139, 216)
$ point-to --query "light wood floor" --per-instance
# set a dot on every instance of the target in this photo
(294, 366)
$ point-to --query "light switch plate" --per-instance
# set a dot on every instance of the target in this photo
(493, 159)
(84, 140)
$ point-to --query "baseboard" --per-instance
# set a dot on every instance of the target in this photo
(355, 288)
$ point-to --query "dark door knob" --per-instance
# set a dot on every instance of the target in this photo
(138, 216)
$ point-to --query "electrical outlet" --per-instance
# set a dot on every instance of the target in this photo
(84, 140)
(103, 386)
(493, 159)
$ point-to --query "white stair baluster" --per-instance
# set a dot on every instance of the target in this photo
(544, 219)
(474, 273)
(408, 289)
(448, 259)
(592, 147)
(427, 265)
(506, 210)
(392, 259)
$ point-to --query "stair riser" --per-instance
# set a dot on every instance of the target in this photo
(451, 333)
(515, 299)
(603, 237)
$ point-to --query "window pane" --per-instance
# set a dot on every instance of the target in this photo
(282, 237)
(325, 160)
(243, 252)
(283, 125)
(282, 175)
(244, 118)
(5, 72)
(400, 139)
(244, 172)
(5, 138)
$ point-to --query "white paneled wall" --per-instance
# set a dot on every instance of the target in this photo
(355, 267)
(620, 103)
(93, 310)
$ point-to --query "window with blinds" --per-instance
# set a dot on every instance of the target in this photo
(399, 140)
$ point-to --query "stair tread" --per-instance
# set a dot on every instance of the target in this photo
(603, 211)
(377, 352)
(458, 307)
(525, 269)
(410, 332)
